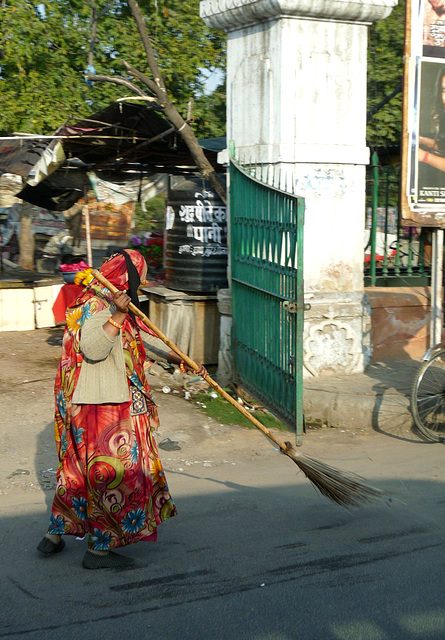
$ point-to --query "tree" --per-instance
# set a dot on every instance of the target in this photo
(26, 238)
(152, 216)
(209, 113)
(385, 71)
(45, 47)
(158, 89)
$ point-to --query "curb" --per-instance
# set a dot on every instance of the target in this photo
(355, 410)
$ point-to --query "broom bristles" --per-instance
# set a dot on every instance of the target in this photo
(342, 487)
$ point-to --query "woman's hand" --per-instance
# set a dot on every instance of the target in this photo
(429, 143)
(116, 321)
(202, 371)
(175, 359)
(121, 301)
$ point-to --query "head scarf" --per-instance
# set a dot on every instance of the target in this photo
(116, 268)
(125, 269)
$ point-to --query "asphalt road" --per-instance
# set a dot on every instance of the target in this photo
(254, 553)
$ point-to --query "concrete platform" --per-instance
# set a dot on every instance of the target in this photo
(377, 399)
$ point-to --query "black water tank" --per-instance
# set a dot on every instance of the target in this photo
(196, 236)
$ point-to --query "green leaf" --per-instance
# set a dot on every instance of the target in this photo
(45, 44)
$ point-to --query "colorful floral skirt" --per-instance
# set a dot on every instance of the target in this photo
(110, 482)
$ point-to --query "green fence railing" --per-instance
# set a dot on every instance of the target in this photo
(395, 256)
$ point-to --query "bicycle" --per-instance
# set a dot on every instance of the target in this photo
(428, 394)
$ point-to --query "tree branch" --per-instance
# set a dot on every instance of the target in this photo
(142, 77)
(117, 80)
(93, 24)
(151, 59)
(170, 111)
(383, 102)
(95, 17)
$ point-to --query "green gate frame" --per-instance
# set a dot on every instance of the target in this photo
(266, 259)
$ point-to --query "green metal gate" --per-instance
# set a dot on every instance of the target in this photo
(266, 254)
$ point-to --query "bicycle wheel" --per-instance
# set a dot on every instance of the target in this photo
(428, 398)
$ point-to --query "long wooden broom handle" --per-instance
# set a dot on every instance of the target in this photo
(100, 278)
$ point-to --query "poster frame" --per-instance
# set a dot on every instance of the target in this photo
(422, 181)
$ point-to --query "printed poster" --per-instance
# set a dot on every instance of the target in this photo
(423, 150)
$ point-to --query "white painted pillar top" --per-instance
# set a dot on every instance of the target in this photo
(234, 14)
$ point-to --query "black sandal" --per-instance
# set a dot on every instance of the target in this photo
(48, 548)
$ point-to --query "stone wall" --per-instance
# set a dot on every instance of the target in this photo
(400, 318)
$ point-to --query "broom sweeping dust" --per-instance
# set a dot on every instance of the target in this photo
(344, 488)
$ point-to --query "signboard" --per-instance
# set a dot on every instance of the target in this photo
(423, 145)
(44, 222)
(196, 236)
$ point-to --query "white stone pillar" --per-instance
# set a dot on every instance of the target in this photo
(296, 99)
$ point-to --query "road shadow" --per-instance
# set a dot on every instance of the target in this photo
(241, 561)
(391, 413)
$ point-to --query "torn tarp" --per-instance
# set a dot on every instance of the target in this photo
(138, 189)
(59, 191)
(31, 158)
(63, 188)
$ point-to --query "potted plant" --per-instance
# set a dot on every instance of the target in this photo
(151, 247)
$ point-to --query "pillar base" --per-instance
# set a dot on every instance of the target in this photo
(337, 334)
(336, 340)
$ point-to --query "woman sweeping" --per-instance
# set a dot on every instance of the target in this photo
(110, 482)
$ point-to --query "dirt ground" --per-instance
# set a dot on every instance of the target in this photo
(28, 365)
